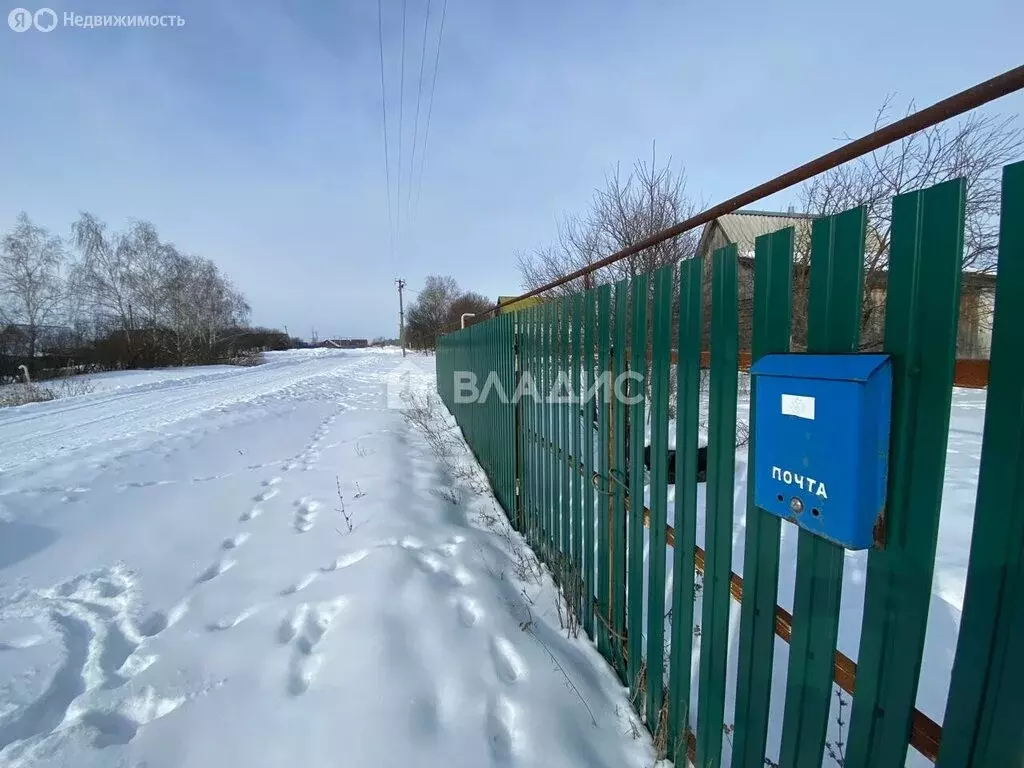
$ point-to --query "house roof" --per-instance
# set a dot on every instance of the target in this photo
(745, 226)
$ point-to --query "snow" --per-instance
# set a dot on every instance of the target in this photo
(180, 586)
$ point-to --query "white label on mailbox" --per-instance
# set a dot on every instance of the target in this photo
(798, 405)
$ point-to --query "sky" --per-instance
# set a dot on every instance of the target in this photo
(253, 134)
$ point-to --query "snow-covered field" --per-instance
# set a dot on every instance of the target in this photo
(179, 586)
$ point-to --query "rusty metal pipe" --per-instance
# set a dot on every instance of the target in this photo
(957, 104)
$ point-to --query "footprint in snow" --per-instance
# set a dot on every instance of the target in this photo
(508, 664)
(266, 495)
(346, 560)
(245, 517)
(305, 514)
(145, 484)
(300, 585)
(501, 729)
(215, 570)
(228, 622)
(118, 726)
(469, 611)
(235, 541)
(449, 550)
(158, 621)
(305, 626)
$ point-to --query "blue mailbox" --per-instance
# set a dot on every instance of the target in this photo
(822, 442)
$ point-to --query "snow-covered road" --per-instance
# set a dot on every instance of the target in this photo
(179, 586)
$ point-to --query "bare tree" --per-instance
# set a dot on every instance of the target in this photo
(471, 302)
(105, 272)
(147, 289)
(148, 275)
(428, 315)
(629, 208)
(30, 277)
(974, 147)
(200, 304)
(218, 304)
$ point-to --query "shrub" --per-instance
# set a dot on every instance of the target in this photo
(21, 394)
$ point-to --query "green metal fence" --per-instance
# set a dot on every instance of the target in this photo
(564, 472)
(479, 397)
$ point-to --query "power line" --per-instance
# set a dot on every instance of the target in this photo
(419, 98)
(430, 105)
(387, 154)
(401, 111)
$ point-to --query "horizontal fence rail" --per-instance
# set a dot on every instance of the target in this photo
(572, 473)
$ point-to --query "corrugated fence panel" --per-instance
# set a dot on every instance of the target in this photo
(986, 695)
(714, 637)
(604, 510)
(565, 482)
(920, 333)
(619, 480)
(588, 442)
(576, 469)
(833, 325)
(660, 361)
(773, 258)
(691, 317)
(637, 409)
(550, 329)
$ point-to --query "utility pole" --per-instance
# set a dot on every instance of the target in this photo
(401, 315)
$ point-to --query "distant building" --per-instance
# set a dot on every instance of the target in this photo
(345, 343)
(742, 228)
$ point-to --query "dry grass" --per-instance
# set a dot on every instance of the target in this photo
(426, 414)
(66, 385)
(70, 386)
(341, 510)
(247, 358)
(22, 394)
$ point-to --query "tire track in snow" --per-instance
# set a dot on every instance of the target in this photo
(31, 435)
